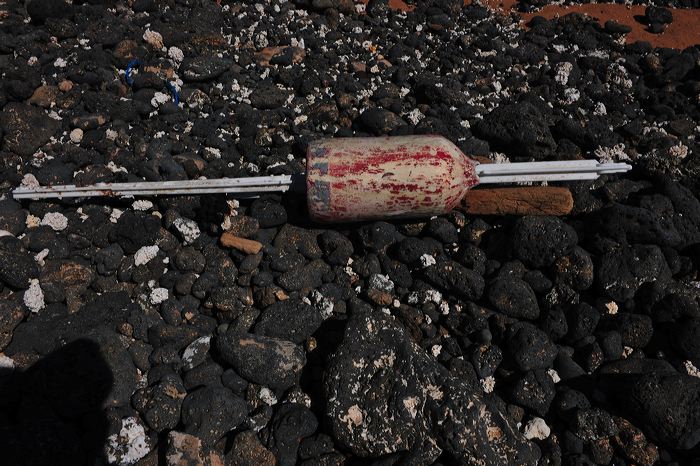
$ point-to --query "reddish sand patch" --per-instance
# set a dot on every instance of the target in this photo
(399, 5)
(683, 32)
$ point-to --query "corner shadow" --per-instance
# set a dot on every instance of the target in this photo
(52, 412)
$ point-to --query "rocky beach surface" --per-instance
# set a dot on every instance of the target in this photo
(133, 333)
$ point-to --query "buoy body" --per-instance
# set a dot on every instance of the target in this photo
(353, 179)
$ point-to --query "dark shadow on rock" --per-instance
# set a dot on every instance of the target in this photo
(52, 412)
(328, 338)
(641, 19)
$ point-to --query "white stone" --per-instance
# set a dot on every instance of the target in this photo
(433, 296)
(6, 362)
(536, 429)
(691, 369)
(153, 38)
(611, 154)
(114, 168)
(40, 256)
(444, 308)
(381, 283)
(627, 351)
(159, 295)
(299, 397)
(76, 136)
(34, 296)
(142, 204)
(563, 70)
(111, 135)
(32, 221)
(324, 305)
(679, 151)
(114, 215)
(488, 384)
(554, 375)
(611, 307)
(415, 116)
(29, 181)
(267, 397)
(145, 254)
(196, 348)
(572, 95)
(60, 63)
(499, 157)
(159, 98)
(427, 260)
(176, 54)
(130, 445)
(187, 228)
(56, 220)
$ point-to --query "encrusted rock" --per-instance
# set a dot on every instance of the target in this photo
(384, 394)
(185, 449)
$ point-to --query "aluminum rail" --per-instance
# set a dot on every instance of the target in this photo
(245, 187)
(569, 170)
(254, 186)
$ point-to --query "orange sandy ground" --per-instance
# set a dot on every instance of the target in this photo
(683, 32)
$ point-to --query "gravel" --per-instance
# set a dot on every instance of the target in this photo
(450, 340)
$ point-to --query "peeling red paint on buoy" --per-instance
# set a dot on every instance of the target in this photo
(353, 179)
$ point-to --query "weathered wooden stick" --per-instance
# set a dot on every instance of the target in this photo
(247, 246)
(525, 200)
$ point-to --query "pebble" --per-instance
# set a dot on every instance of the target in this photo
(56, 220)
(142, 204)
(453, 277)
(130, 444)
(145, 254)
(518, 130)
(290, 319)
(188, 229)
(158, 295)
(530, 347)
(249, 450)
(267, 361)
(268, 213)
(536, 428)
(34, 297)
(196, 352)
(513, 297)
(211, 412)
(184, 448)
(288, 427)
(160, 403)
(153, 38)
(76, 136)
(27, 128)
(539, 241)
(176, 54)
(65, 85)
